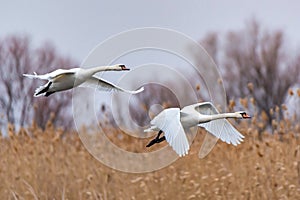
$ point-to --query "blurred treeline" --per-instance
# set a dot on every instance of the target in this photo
(257, 65)
(260, 71)
(17, 104)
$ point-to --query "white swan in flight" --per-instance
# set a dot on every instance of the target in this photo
(173, 121)
(64, 79)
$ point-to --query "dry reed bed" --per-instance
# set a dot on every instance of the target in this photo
(52, 164)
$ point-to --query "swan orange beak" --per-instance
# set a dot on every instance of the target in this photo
(246, 116)
(123, 67)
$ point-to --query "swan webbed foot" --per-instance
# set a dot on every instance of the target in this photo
(48, 94)
(163, 138)
(156, 139)
(45, 89)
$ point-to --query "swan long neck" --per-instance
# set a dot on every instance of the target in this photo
(224, 115)
(94, 70)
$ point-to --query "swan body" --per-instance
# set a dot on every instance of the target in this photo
(64, 79)
(173, 122)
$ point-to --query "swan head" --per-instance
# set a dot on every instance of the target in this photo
(119, 67)
(242, 115)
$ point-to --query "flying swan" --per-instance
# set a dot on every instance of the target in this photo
(173, 121)
(64, 79)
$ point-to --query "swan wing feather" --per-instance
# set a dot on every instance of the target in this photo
(52, 75)
(205, 108)
(220, 128)
(169, 122)
(223, 130)
(103, 85)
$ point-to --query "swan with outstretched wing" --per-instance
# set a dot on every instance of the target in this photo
(64, 79)
(173, 121)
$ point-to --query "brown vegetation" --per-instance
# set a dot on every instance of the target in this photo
(50, 164)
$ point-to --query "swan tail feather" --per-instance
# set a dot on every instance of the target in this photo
(34, 75)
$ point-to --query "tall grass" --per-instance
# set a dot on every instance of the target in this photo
(53, 164)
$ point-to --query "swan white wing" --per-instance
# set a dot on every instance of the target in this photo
(218, 129)
(223, 130)
(205, 108)
(52, 75)
(103, 85)
(169, 122)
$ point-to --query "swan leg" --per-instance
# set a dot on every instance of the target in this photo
(156, 139)
(48, 93)
(45, 89)
(158, 135)
(163, 138)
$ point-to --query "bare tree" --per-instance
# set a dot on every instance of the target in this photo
(17, 56)
(211, 44)
(259, 59)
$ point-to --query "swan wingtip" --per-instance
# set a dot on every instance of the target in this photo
(141, 89)
(135, 91)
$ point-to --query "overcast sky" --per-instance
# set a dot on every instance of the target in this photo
(76, 27)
